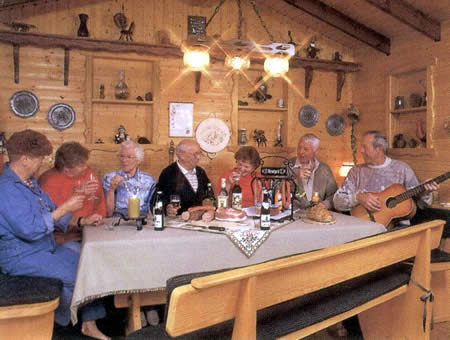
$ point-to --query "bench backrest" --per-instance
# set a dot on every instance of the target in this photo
(239, 293)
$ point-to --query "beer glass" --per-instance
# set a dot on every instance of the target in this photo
(175, 201)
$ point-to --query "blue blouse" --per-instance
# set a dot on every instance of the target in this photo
(141, 184)
(26, 222)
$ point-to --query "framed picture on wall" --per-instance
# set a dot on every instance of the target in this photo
(181, 119)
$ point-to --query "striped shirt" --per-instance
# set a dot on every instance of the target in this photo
(191, 176)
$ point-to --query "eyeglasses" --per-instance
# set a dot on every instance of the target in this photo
(127, 157)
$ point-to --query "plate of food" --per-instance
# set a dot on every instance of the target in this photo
(230, 215)
(309, 220)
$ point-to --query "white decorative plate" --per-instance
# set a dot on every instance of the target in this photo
(212, 134)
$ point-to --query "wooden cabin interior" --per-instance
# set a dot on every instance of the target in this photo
(370, 53)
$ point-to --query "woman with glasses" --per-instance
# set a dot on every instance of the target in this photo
(70, 175)
(129, 181)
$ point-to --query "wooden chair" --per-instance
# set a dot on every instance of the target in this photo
(27, 306)
(293, 297)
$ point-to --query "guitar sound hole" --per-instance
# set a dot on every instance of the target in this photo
(391, 203)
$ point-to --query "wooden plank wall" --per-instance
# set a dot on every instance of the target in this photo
(409, 52)
(41, 71)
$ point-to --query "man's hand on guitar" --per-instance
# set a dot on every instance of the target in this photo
(369, 201)
(433, 186)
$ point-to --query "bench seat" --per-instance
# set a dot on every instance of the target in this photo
(298, 313)
(27, 306)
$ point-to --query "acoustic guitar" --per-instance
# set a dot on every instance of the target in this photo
(395, 202)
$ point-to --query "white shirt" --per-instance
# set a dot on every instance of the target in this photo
(191, 176)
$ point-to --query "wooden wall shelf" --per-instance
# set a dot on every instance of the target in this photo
(413, 152)
(262, 108)
(410, 110)
(123, 102)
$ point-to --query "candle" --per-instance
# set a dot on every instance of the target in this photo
(134, 207)
(315, 198)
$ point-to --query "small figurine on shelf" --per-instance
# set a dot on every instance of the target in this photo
(279, 140)
(99, 141)
(337, 56)
(148, 97)
(399, 141)
(121, 135)
(121, 90)
(260, 94)
(312, 51)
(258, 136)
(143, 140)
(83, 30)
(102, 91)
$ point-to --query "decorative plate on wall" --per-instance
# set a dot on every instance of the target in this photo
(308, 116)
(61, 116)
(335, 125)
(212, 134)
(24, 104)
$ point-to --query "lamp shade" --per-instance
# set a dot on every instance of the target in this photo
(276, 66)
(196, 57)
(237, 62)
(345, 168)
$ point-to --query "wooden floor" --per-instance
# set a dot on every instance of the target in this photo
(441, 331)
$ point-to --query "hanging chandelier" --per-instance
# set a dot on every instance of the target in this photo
(197, 48)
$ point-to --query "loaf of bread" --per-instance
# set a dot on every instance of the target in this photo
(319, 213)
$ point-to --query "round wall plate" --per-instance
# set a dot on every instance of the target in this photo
(308, 116)
(61, 116)
(335, 125)
(24, 104)
(212, 134)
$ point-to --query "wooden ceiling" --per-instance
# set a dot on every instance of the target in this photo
(354, 23)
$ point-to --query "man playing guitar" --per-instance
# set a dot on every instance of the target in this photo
(365, 182)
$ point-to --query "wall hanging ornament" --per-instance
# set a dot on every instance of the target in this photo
(353, 114)
(61, 116)
(83, 30)
(213, 135)
(24, 104)
(308, 116)
(335, 125)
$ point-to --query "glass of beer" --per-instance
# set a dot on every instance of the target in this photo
(175, 201)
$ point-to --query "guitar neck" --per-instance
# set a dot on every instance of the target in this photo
(420, 188)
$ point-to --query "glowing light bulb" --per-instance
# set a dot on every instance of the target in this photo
(196, 58)
(276, 66)
(237, 62)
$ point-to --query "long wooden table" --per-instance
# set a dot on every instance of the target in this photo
(134, 265)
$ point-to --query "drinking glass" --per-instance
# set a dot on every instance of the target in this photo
(92, 179)
(236, 175)
(175, 201)
(79, 189)
(308, 166)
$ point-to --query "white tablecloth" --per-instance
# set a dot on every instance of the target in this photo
(125, 260)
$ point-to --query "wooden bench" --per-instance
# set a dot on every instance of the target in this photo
(27, 306)
(312, 291)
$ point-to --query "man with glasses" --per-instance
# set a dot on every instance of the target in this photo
(119, 185)
(184, 178)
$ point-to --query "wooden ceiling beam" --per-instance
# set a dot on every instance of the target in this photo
(410, 16)
(344, 23)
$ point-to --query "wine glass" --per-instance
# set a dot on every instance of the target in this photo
(79, 188)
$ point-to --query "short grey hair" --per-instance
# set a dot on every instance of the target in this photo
(311, 138)
(379, 139)
(138, 149)
(183, 146)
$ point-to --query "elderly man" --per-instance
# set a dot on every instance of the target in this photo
(130, 180)
(184, 178)
(313, 176)
(375, 175)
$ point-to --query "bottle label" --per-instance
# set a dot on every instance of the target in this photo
(236, 201)
(265, 221)
(222, 201)
(159, 222)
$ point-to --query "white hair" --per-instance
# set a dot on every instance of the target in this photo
(138, 149)
(311, 138)
(379, 139)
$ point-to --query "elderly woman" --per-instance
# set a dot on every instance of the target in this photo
(120, 184)
(28, 218)
(70, 174)
(247, 161)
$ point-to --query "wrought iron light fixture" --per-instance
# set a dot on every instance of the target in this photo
(196, 48)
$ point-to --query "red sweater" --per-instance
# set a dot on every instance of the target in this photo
(246, 185)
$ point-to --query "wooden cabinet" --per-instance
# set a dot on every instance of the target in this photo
(106, 114)
(408, 109)
(264, 115)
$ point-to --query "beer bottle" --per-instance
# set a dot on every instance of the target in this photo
(210, 197)
(236, 196)
(265, 212)
(222, 197)
(159, 212)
